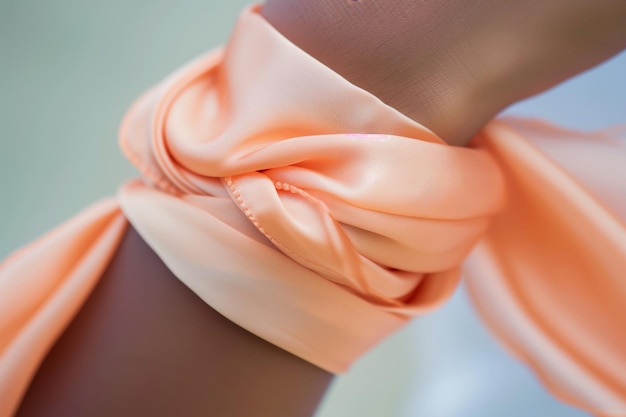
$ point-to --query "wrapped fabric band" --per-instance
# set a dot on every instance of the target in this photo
(353, 216)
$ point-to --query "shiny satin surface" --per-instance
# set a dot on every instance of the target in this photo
(548, 277)
(320, 182)
(270, 182)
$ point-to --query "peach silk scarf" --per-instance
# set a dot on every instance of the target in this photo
(309, 212)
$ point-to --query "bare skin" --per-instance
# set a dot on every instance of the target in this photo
(452, 65)
(144, 344)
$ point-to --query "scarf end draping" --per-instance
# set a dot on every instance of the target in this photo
(43, 286)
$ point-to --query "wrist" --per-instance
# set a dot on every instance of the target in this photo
(370, 44)
(452, 67)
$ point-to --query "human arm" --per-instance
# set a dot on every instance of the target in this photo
(453, 65)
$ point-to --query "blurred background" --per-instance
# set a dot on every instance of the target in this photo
(69, 69)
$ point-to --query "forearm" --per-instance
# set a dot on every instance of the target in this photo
(145, 345)
(453, 65)
(372, 44)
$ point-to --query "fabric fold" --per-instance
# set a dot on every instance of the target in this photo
(549, 275)
(338, 184)
(312, 214)
(42, 287)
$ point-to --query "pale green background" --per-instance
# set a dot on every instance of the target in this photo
(68, 71)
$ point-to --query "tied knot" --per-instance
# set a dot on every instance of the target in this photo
(334, 178)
